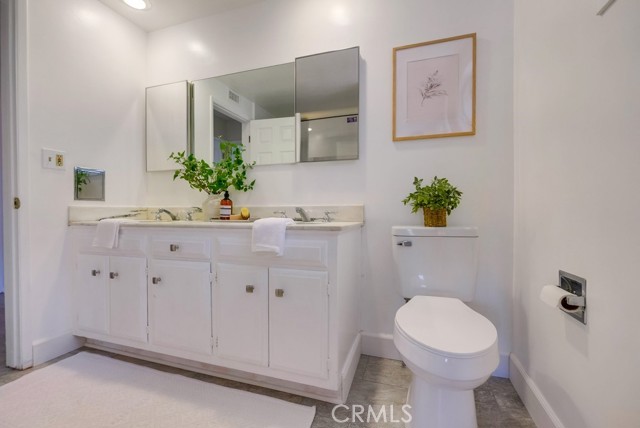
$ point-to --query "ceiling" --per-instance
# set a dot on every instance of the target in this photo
(165, 13)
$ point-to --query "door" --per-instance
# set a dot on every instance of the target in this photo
(180, 305)
(92, 294)
(299, 321)
(273, 141)
(128, 298)
(241, 320)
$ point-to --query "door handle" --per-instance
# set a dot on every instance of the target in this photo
(404, 243)
(279, 292)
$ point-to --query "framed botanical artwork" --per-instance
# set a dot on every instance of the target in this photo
(434, 89)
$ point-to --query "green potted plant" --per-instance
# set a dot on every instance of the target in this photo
(214, 180)
(436, 200)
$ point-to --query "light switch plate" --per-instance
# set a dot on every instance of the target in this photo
(53, 159)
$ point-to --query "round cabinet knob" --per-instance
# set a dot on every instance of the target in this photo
(249, 288)
(95, 272)
(174, 247)
(279, 292)
(156, 280)
(113, 275)
(404, 243)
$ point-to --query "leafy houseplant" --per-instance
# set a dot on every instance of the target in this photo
(436, 200)
(229, 172)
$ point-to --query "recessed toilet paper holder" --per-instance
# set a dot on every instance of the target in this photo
(574, 305)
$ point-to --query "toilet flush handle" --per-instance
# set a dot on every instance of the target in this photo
(405, 243)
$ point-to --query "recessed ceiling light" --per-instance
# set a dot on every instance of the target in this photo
(138, 4)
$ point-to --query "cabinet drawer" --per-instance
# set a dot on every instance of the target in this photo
(296, 252)
(129, 244)
(180, 248)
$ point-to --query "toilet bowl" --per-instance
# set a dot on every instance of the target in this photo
(450, 349)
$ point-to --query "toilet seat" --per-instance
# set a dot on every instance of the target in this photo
(445, 326)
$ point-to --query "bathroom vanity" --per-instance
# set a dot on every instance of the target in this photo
(194, 295)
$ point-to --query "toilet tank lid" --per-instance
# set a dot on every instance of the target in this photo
(457, 231)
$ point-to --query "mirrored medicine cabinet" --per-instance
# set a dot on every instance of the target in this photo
(303, 111)
(89, 184)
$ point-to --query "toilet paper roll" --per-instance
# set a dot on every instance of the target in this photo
(556, 297)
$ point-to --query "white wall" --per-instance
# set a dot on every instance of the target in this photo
(86, 80)
(577, 207)
(277, 31)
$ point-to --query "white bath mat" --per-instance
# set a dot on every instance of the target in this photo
(89, 390)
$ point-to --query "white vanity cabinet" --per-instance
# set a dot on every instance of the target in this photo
(273, 317)
(293, 317)
(198, 297)
(111, 291)
(179, 284)
(242, 313)
(299, 321)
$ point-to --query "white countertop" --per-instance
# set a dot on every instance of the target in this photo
(334, 226)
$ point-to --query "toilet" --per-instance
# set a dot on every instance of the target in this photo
(449, 348)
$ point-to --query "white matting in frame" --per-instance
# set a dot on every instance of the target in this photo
(434, 89)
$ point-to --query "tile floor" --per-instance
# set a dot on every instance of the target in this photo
(378, 382)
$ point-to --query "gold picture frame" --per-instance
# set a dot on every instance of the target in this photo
(434, 89)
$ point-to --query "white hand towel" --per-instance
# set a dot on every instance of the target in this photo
(268, 234)
(107, 233)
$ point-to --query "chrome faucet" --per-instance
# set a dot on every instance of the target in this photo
(169, 213)
(303, 214)
(327, 216)
(191, 211)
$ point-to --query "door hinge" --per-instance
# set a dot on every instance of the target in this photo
(214, 342)
(213, 277)
(16, 203)
(328, 365)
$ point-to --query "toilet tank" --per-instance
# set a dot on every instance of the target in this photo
(436, 261)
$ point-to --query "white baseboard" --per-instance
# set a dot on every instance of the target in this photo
(539, 408)
(50, 348)
(381, 345)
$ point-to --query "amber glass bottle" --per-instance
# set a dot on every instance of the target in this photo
(226, 206)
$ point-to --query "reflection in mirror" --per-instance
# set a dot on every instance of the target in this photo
(254, 107)
(88, 184)
(334, 138)
(327, 99)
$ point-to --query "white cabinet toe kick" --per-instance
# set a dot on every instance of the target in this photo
(202, 301)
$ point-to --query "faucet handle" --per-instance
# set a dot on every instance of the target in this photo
(327, 216)
(283, 214)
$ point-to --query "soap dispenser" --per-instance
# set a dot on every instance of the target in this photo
(226, 206)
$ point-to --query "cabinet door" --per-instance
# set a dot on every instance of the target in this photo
(180, 305)
(92, 294)
(298, 321)
(241, 319)
(128, 298)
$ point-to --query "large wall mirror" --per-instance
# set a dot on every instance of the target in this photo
(253, 107)
(303, 111)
